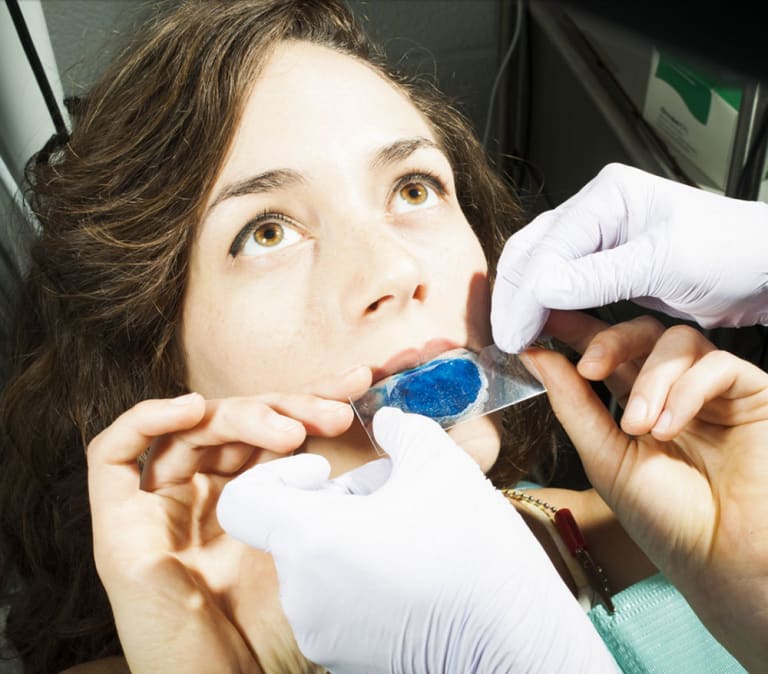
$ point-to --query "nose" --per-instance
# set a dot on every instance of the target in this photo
(385, 276)
(395, 287)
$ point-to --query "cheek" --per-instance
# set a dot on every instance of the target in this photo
(464, 267)
(245, 338)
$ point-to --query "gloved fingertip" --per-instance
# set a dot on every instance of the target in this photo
(363, 480)
(264, 501)
(396, 432)
(386, 416)
(520, 329)
(303, 471)
(509, 341)
(235, 514)
(247, 492)
(384, 425)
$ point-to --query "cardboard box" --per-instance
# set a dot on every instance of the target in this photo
(694, 114)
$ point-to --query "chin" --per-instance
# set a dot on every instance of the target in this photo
(480, 438)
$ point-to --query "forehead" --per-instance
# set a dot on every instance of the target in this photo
(310, 104)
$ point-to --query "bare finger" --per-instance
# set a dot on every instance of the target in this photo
(575, 328)
(350, 384)
(720, 388)
(597, 438)
(277, 423)
(675, 352)
(113, 472)
(627, 341)
(228, 458)
(579, 330)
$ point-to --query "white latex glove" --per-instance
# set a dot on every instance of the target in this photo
(632, 235)
(433, 572)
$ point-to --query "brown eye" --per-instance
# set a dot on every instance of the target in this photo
(269, 234)
(414, 193)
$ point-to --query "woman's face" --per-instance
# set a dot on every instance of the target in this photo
(332, 239)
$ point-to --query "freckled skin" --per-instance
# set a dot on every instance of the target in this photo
(363, 262)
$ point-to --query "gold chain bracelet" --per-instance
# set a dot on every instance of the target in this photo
(574, 541)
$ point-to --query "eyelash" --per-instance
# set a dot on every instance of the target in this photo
(434, 181)
(253, 225)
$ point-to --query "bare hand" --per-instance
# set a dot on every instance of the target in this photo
(176, 582)
(687, 472)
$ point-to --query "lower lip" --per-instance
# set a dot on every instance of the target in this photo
(410, 358)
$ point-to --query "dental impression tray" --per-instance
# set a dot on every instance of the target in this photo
(457, 386)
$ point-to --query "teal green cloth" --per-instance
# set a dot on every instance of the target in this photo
(524, 484)
(654, 630)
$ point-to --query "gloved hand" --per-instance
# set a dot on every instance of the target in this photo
(632, 235)
(432, 572)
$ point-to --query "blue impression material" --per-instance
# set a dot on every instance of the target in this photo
(441, 389)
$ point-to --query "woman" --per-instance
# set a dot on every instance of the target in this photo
(251, 221)
(248, 206)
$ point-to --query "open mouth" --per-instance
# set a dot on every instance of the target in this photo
(412, 357)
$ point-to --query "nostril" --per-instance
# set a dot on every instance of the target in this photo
(373, 306)
(419, 294)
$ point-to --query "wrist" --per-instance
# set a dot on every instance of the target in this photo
(200, 647)
(187, 635)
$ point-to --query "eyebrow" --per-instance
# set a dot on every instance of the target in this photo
(401, 149)
(277, 179)
(269, 181)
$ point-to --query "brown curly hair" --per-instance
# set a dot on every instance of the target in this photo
(97, 326)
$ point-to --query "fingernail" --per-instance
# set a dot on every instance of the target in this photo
(593, 353)
(636, 410)
(184, 399)
(352, 370)
(526, 360)
(590, 363)
(281, 423)
(664, 422)
(331, 406)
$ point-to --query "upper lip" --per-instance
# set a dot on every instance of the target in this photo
(412, 357)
